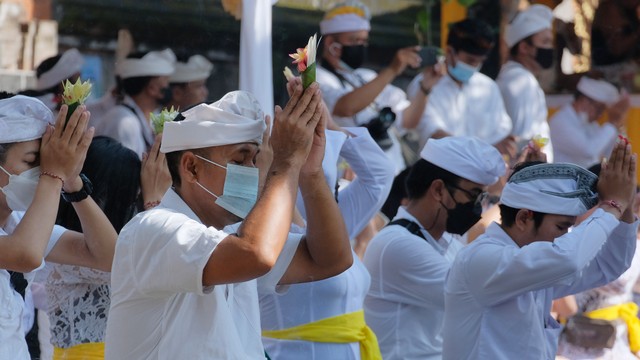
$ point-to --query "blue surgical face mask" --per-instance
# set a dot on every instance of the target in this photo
(240, 191)
(462, 71)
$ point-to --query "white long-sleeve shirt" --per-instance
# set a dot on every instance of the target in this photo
(525, 103)
(578, 141)
(499, 295)
(473, 109)
(344, 293)
(405, 305)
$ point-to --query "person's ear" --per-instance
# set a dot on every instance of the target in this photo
(523, 217)
(437, 189)
(189, 167)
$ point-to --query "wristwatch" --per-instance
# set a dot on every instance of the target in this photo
(87, 189)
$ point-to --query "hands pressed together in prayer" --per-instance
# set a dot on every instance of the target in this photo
(617, 182)
(64, 148)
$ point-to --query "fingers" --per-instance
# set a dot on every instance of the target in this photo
(294, 99)
(79, 130)
(60, 120)
(307, 101)
(311, 109)
(267, 130)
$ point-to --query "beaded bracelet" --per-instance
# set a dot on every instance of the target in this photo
(151, 204)
(613, 204)
(53, 176)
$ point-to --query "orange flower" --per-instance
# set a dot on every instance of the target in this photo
(300, 58)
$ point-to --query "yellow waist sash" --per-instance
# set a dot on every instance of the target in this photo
(347, 328)
(89, 351)
(628, 312)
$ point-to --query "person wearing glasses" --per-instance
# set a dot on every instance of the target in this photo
(409, 259)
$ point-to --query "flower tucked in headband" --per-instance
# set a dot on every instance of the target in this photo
(75, 95)
(158, 120)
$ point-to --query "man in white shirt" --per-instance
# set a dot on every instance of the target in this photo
(465, 102)
(577, 136)
(143, 83)
(356, 96)
(530, 43)
(500, 287)
(189, 82)
(184, 288)
(409, 259)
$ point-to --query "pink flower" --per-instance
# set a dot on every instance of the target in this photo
(300, 58)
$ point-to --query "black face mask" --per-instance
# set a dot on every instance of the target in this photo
(353, 55)
(167, 95)
(544, 57)
(462, 217)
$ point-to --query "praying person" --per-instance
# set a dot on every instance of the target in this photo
(37, 163)
(409, 259)
(500, 287)
(184, 288)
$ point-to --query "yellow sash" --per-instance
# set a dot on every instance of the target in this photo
(347, 328)
(628, 312)
(89, 351)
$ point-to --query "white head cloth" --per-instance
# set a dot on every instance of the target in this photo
(234, 119)
(69, 64)
(23, 118)
(196, 68)
(346, 17)
(154, 63)
(563, 189)
(467, 157)
(598, 90)
(528, 22)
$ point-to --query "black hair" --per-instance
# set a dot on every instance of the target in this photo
(422, 175)
(396, 195)
(473, 36)
(114, 171)
(508, 214)
(134, 85)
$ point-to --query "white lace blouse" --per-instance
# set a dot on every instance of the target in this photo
(79, 301)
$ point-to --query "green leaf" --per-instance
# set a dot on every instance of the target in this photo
(308, 76)
(423, 20)
(466, 3)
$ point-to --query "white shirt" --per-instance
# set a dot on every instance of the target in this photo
(499, 295)
(159, 307)
(405, 305)
(126, 123)
(344, 293)
(99, 107)
(13, 322)
(525, 103)
(333, 89)
(473, 109)
(578, 141)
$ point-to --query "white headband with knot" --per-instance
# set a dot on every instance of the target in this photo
(562, 189)
(346, 17)
(598, 90)
(234, 119)
(23, 118)
(465, 156)
(70, 63)
(528, 22)
(196, 68)
(154, 63)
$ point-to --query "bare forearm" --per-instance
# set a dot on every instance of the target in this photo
(99, 235)
(413, 113)
(327, 238)
(24, 249)
(355, 101)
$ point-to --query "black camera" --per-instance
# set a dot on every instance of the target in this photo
(379, 125)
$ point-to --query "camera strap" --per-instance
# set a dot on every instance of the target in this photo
(411, 226)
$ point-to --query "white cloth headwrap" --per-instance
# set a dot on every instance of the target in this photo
(23, 118)
(598, 90)
(69, 64)
(528, 22)
(154, 63)
(346, 17)
(562, 189)
(234, 119)
(196, 68)
(468, 157)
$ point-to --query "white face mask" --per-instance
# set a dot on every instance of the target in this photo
(21, 188)
(240, 191)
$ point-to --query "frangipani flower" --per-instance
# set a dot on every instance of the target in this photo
(288, 74)
(76, 93)
(158, 120)
(306, 61)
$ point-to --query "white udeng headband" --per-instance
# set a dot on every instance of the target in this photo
(344, 23)
(563, 189)
(70, 63)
